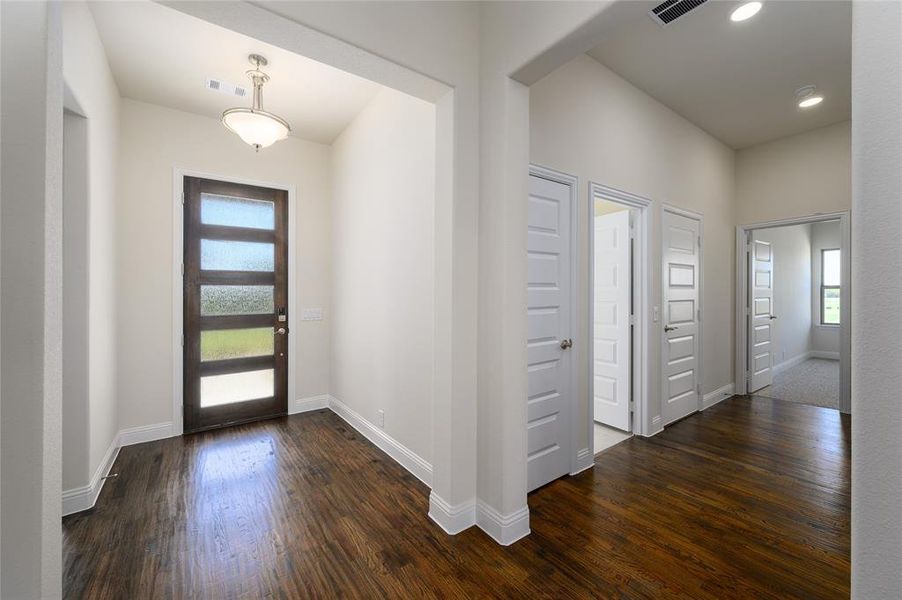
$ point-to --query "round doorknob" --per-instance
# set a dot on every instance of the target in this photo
(281, 331)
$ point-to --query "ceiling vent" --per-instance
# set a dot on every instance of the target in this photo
(229, 89)
(670, 10)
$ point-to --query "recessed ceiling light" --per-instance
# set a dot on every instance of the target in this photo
(812, 101)
(808, 96)
(746, 11)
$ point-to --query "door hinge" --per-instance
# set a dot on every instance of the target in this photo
(698, 314)
(183, 198)
(632, 319)
(183, 340)
(699, 241)
(183, 269)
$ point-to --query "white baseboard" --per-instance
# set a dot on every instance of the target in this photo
(584, 460)
(145, 433)
(718, 395)
(307, 404)
(795, 360)
(504, 529)
(452, 518)
(406, 457)
(823, 354)
(83, 498)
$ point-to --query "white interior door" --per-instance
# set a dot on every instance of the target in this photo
(611, 327)
(548, 314)
(761, 314)
(681, 246)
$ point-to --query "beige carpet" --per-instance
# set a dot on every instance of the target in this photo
(814, 381)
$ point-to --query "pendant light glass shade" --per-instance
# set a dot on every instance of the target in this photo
(254, 125)
(258, 128)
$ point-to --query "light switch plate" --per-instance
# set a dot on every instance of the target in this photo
(311, 314)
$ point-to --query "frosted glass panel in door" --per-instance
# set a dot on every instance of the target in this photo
(236, 212)
(224, 255)
(223, 344)
(216, 390)
(221, 300)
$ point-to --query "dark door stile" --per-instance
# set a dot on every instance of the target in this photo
(196, 417)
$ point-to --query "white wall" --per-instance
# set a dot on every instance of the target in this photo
(76, 304)
(88, 78)
(824, 235)
(795, 176)
(153, 141)
(792, 290)
(383, 202)
(876, 293)
(587, 121)
(31, 95)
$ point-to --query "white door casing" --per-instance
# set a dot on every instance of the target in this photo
(681, 269)
(760, 313)
(611, 330)
(548, 338)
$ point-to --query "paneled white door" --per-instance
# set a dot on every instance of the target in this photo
(548, 314)
(611, 328)
(681, 247)
(761, 313)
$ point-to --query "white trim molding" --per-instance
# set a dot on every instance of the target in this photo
(145, 433)
(845, 325)
(302, 405)
(83, 498)
(406, 457)
(718, 395)
(452, 518)
(504, 529)
(795, 360)
(178, 251)
(584, 460)
(642, 286)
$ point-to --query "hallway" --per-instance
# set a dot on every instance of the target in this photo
(747, 499)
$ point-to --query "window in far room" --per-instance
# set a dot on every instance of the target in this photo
(830, 285)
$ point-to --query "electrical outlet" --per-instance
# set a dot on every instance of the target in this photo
(381, 418)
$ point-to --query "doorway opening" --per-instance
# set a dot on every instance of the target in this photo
(794, 298)
(616, 357)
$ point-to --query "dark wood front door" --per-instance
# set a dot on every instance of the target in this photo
(235, 303)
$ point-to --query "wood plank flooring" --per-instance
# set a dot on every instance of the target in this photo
(749, 499)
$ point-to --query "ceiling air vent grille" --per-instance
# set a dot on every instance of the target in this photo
(669, 11)
(229, 89)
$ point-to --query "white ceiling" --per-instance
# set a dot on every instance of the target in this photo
(163, 56)
(737, 80)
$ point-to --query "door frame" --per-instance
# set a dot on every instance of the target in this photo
(640, 299)
(178, 240)
(580, 458)
(845, 299)
(700, 316)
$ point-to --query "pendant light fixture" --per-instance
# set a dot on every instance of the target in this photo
(254, 125)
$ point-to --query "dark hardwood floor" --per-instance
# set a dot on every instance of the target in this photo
(749, 499)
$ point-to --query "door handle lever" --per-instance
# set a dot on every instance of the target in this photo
(772, 317)
(669, 328)
(565, 344)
